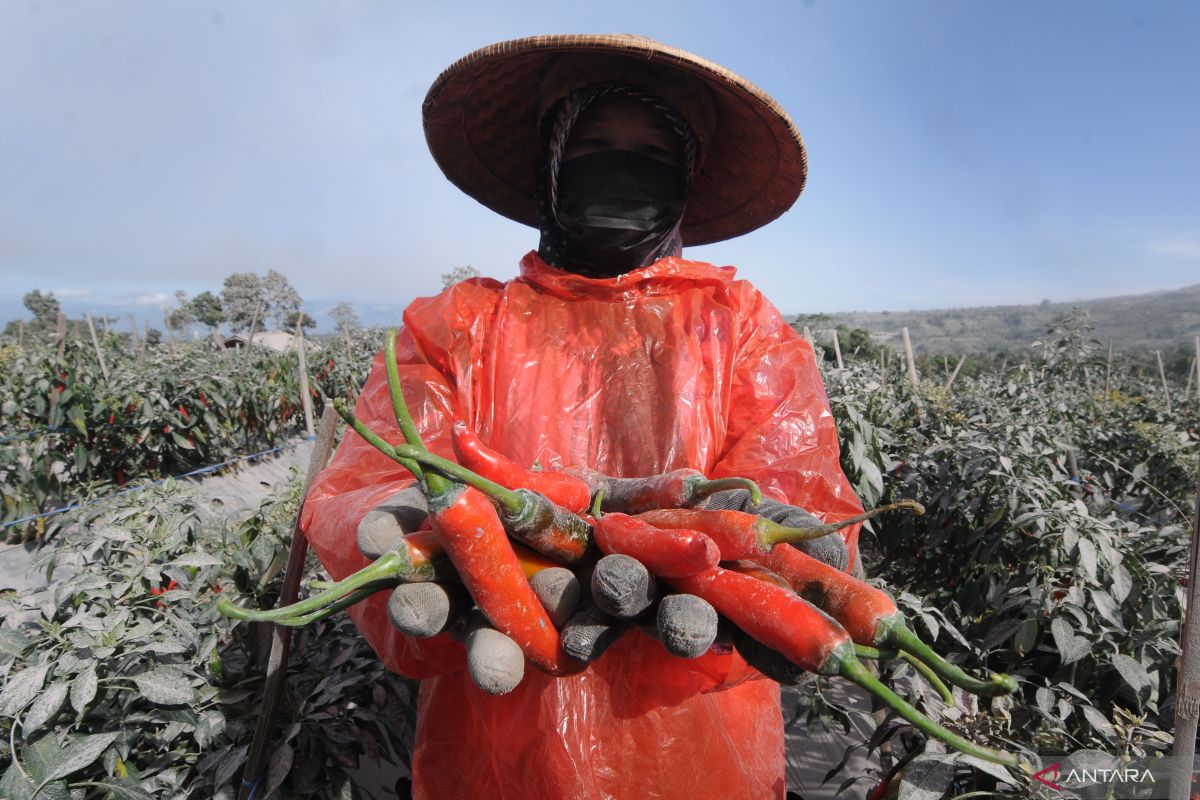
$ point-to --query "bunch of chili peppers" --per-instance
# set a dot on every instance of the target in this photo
(792, 613)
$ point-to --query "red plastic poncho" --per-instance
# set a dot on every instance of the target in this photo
(674, 365)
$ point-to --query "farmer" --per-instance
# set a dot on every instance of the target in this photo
(610, 351)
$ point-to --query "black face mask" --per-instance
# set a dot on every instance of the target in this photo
(618, 208)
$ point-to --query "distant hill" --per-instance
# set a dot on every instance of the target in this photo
(1155, 321)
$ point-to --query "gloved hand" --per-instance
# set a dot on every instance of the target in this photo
(625, 594)
(829, 549)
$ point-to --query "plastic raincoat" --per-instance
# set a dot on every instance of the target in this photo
(673, 365)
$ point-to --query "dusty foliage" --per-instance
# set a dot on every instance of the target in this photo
(1055, 543)
(120, 681)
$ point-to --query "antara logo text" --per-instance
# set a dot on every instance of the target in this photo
(1088, 777)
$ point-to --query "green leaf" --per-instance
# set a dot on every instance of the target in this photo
(13, 643)
(1099, 722)
(83, 689)
(1071, 648)
(1087, 558)
(44, 707)
(21, 688)
(1026, 636)
(1122, 583)
(1133, 672)
(927, 778)
(125, 789)
(1045, 700)
(1108, 608)
(79, 753)
(164, 686)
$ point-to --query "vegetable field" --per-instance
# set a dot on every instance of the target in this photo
(1053, 548)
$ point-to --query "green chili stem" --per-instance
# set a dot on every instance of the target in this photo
(853, 670)
(389, 565)
(372, 438)
(399, 408)
(863, 651)
(899, 635)
(434, 483)
(512, 501)
(356, 596)
(773, 534)
(597, 501)
(704, 488)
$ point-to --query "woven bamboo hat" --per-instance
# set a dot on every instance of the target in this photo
(482, 118)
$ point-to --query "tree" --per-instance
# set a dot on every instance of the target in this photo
(281, 298)
(206, 308)
(241, 298)
(305, 320)
(457, 275)
(181, 316)
(44, 307)
(345, 318)
(153, 336)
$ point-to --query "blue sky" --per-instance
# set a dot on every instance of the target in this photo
(962, 153)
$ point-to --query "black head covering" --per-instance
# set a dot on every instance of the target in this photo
(557, 246)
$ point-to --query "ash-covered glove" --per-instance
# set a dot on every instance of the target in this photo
(829, 549)
(624, 594)
(416, 609)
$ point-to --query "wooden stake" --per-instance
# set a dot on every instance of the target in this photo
(20, 333)
(808, 337)
(957, 367)
(250, 339)
(1187, 392)
(883, 365)
(281, 637)
(1108, 371)
(1163, 375)
(908, 352)
(145, 336)
(170, 333)
(305, 400)
(104, 319)
(133, 337)
(1187, 688)
(96, 344)
(61, 335)
(837, 349)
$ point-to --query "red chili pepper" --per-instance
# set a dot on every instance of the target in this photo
(183, 412)
(869, 615)
(743, 535)
(666, 553)
(203, 400)
(676, 489)
(563, 490)
(112, 418)
(468, 528)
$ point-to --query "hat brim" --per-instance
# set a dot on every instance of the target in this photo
(481, 123)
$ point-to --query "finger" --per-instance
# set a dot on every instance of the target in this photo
(382, 528)
(830, 550)
(558, 590)
(494, 661)
(589, 632)
(426, 609)
(687, 625)
(623, 587)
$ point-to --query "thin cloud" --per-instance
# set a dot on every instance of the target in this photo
(71, 293)
(155, 299)
(1186, 246)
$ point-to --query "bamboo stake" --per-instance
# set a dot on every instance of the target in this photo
(957, 367)
(96, 344)
(908, 352)
(883, 365)
(133, 337)
(305, 400)
(145, 335)
(1187, 688)
(1162, 373)
(808, 337)
(1187, 392)
(104, 319)
(837, 349)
